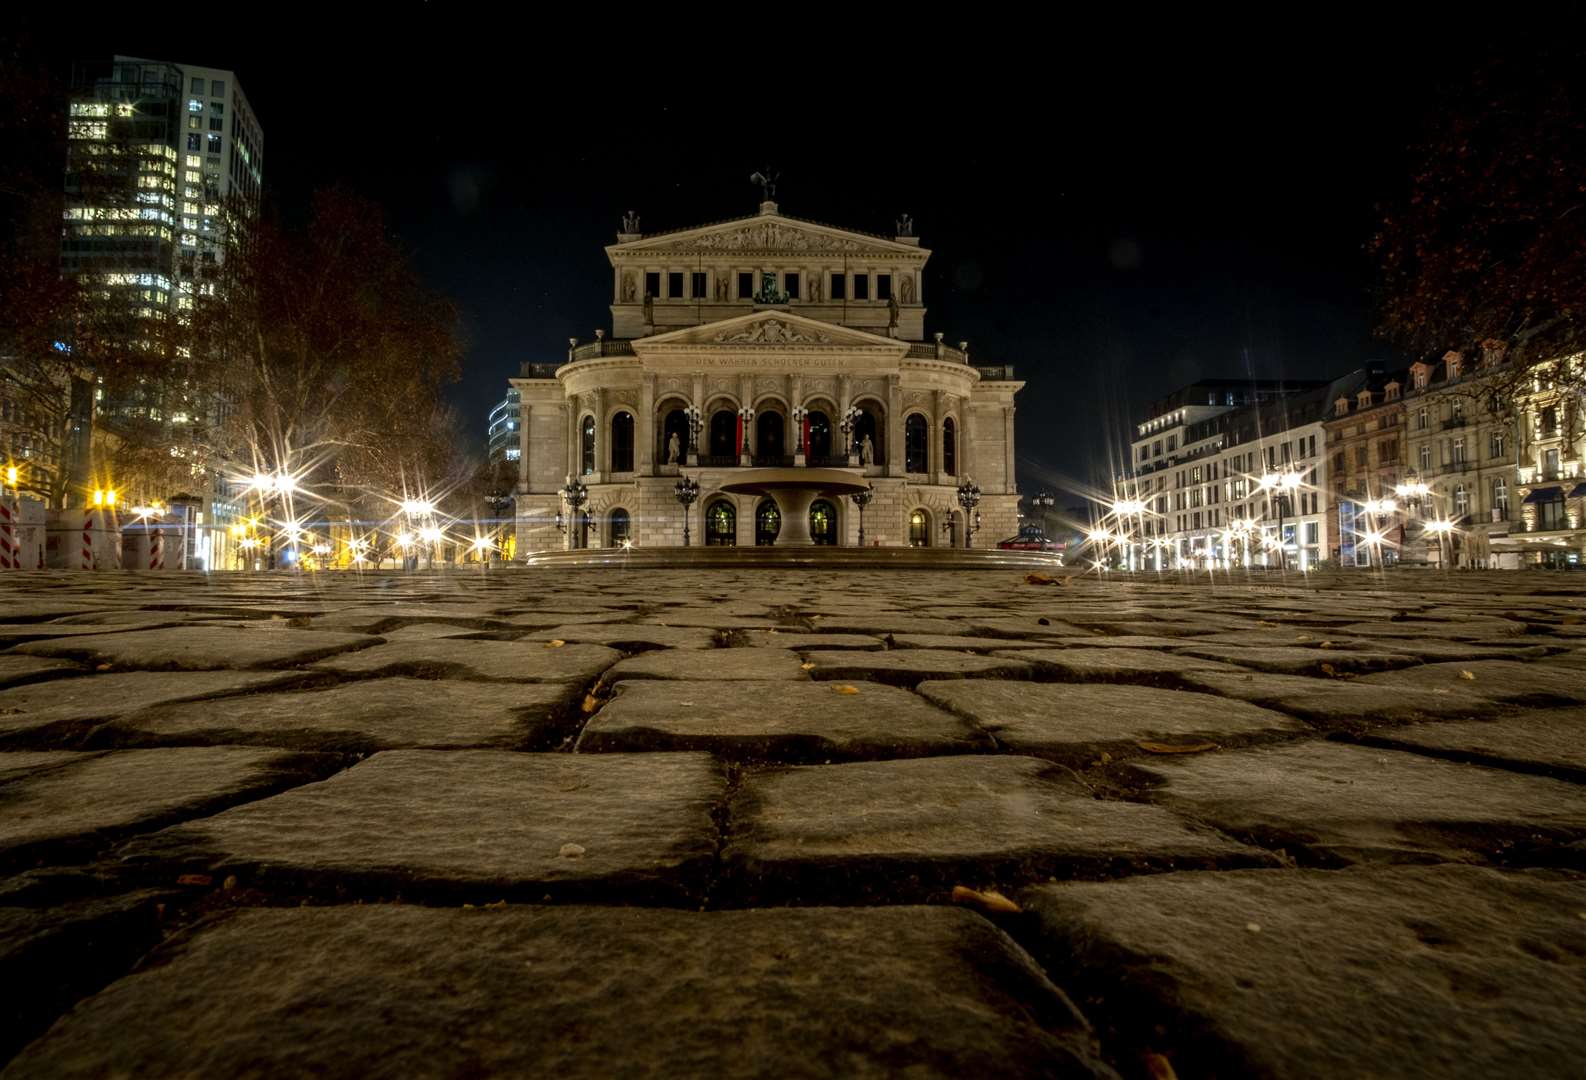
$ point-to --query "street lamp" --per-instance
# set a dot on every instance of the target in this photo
(850, 421)
(969, 498)
(862, 499)
(800, 414)
(745, 418)
(1042, 501)
(575, 493)
(686, 491)
(696, 424)
(1283, 488)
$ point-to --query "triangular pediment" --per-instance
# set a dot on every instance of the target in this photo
(772, 327)
(765, 234)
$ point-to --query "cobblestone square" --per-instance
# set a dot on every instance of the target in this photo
(767, 822)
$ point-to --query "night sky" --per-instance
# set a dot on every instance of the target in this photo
(1114, 214)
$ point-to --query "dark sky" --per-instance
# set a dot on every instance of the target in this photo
(1114, 208)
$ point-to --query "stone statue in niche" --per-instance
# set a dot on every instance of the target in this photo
(867, 451)
(672, 449)
(630, 288)
(906, 288)
(721, 287)
(814, 286)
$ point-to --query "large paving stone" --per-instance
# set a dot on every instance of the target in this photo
(469, 824)
(629, 635)
(1538, 683)
(516, 660)
(707, 664)
(1337, 703)
(64, 810)
(62, 711)
(576, 992)
(771, 720)
(1354, 803)
(967, 642)
(16, 670)
(793, 639)
(53, 954)
(1440, 971)
(198, 648)
(1541, 740)
(1073, 721)
(361, 717)
(898, 831)
(1299, 660)
(906, 667)
(1116, 665)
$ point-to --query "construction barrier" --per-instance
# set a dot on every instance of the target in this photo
(28, 547)
(83, 539)
(10, 526)
(152, 544)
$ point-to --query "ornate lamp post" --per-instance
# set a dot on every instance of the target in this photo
(969, 498)
(849, 423)
(696, 424)
(1283, 488)
(575, 494)
(686, 491)
(745, 418)
(1042, 501)
(862, 499)
(800, 415)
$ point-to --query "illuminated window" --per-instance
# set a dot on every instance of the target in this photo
(194, 105)
(193, 161)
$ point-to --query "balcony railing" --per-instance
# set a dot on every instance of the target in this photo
(926, 351)
(1454, 422)
(603, 347)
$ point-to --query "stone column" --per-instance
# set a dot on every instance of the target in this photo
(645, 427)
(894, 427)
(968, 462)
(574, 436)
(937, 442)
(698, 403)
(845, 399)
(525, 420)
(1007, 449)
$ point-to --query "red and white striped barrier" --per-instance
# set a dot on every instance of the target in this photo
(10, 550)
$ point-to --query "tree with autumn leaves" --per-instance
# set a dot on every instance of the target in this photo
(1484, 252)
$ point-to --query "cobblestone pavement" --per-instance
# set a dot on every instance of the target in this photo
(793, 824)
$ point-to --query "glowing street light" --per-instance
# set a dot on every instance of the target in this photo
(417, 507)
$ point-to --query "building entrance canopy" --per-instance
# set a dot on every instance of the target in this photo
(794, 491)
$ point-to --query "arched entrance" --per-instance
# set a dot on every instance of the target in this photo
(820, 447)
(868, 424)
(919, 529)
(675, 422)
(721, 524)
(619, 529)
(723, 434)
(823, 522)
(767, 522)
(770, 438)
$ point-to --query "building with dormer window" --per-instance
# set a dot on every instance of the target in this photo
(747, 348)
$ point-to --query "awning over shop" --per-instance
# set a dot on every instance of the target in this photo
(1540, 495)
(1577, 491)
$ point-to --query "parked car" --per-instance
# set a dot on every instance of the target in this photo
(1030, 538)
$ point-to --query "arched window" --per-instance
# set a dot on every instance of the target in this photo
(820, 435)
(919, 529)
(767, 522)
(916, 434)
(823, 522)
(674, 423)
(949, 447)
(770, 437)
(622, 442)
(721, 524)
(588, 442)
(620, 528)
(723, 433)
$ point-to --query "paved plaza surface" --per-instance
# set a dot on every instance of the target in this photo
(792, 823)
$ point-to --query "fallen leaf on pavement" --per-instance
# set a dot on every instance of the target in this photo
(807, 666)
(1468, 675)
(556, 644)
(1039, 578)
(195, 879)
(1158, 1067)
(990, 899)
(1174, 748)
(591, 703)
(846, 689)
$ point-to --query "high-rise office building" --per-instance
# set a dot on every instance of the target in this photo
(159, 155)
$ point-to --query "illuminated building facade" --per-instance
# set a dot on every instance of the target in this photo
(761, 348)
(158, 154)
(503, 431)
